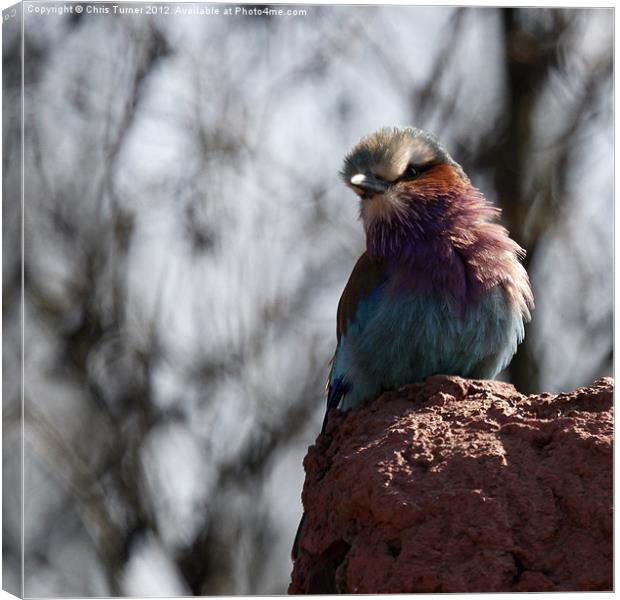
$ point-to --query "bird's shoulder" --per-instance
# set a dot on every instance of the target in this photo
(367, 277)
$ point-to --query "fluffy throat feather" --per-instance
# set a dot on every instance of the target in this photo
(450, 244)
(399, 228)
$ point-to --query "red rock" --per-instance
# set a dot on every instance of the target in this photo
(458, 485)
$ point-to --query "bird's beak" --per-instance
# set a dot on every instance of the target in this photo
(368, 183)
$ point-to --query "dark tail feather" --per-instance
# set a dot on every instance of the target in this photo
(336, 391)
(295, 550)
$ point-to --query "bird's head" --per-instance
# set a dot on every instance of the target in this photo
(420, 209)
(398, 173)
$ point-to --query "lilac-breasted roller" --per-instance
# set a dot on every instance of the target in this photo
(440, 288)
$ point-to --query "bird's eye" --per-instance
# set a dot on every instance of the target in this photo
(410, 173)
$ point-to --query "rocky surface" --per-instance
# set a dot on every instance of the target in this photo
(458, 485)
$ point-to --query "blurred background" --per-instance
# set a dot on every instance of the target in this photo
(187, 238)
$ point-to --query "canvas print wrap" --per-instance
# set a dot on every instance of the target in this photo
(177, 235)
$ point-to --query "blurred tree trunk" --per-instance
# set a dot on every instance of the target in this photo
(525, 68)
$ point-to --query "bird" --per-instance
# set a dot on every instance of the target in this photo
(440, 288)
